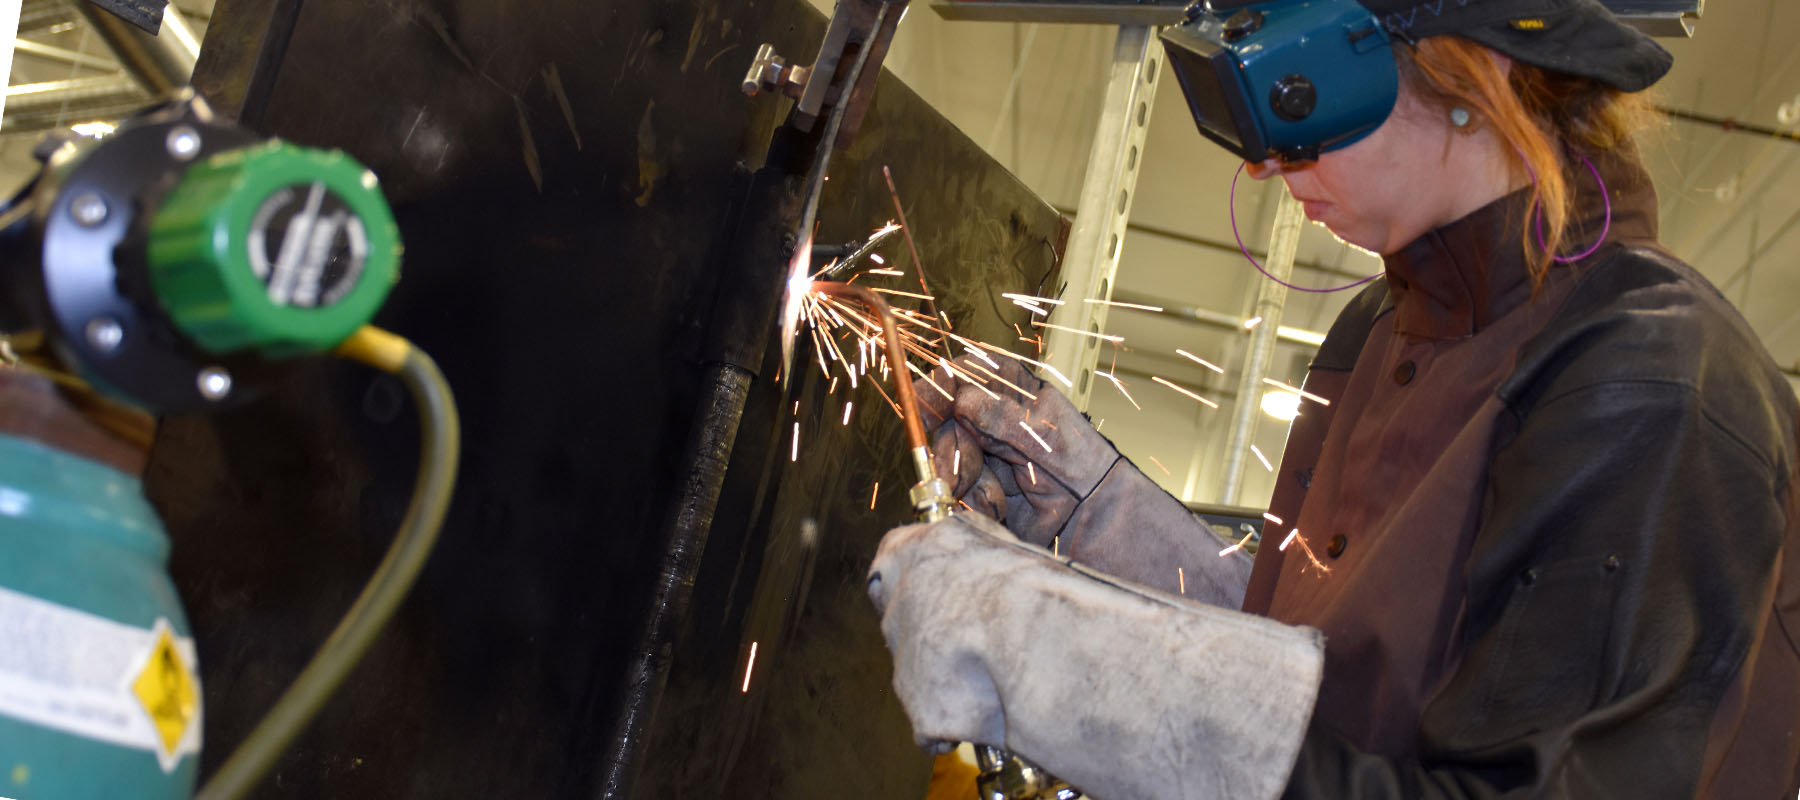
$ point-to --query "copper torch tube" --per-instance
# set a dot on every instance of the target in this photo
(909, 401)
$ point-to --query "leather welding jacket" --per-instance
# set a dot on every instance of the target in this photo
(1549, 535)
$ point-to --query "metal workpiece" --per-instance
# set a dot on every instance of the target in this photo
(1107, 188)
(1259, 347)
(706, 458)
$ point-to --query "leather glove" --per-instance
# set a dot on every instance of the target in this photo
(1121, 691)
(1073, 484)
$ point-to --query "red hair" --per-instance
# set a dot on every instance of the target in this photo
(1542, 114)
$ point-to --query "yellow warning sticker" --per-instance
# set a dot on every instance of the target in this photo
(167, 689)
(1529, 24)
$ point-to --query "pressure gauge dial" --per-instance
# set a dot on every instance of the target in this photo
(275, 248)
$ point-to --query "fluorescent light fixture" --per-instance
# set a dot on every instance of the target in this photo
(1281, 404)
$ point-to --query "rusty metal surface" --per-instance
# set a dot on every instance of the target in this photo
(565, 174)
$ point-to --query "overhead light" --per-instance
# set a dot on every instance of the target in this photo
(95, 129)
(1281, 404)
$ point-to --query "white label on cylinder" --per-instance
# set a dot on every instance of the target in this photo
(85, 675)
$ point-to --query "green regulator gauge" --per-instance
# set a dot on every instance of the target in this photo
(273, 248)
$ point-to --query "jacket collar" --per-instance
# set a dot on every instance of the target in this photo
(1456, 280)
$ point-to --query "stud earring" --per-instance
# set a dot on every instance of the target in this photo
(1459, 117)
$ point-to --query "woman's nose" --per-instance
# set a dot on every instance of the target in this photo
(1263, 170)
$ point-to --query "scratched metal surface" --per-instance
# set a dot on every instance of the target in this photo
(563, 173)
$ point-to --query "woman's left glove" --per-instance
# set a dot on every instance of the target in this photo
(1120, 690)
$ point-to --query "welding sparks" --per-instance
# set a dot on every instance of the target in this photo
(876, 257)
(795, 455)
(905, 294)
(1260, 457)
(1031, 469)
(890, 272)
(1271, 518)
(1015, 297)
(1034, 435)
(1236, 547)
(874, 493)
(1289, 540)
(748, 667)
(956, 463)
(1296, 390)
(833, 388)
(1116, 382)
(846, 412)
(1201, 361)
(1251, 323)
(1031, 308)
(1185, 391)
(1159, 465)
(1102, 336)
(934, 384)
(1181, 576)
(1117, 304)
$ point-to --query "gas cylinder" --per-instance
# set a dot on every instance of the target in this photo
(99, 696)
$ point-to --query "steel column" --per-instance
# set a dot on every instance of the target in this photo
(1271, 298)
(1092, 258)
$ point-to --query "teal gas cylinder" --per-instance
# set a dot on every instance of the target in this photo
(99, 692)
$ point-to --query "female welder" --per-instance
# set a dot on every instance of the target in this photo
(1535, 545)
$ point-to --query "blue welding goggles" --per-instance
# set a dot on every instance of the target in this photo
(1288, 79)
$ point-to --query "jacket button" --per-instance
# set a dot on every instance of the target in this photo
(1403, 374)
(1336, 547)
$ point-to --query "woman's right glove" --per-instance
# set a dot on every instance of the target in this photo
(1037, 466)
(1123, 692)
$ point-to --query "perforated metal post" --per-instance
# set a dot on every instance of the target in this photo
(1259, 351)
(1092, 258)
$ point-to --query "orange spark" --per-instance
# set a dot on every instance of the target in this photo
(1297, 390)
(751, 665)
(1271, 518)
(1116, 382)
(1201, 361)
(795, 455)
(1031, 469)
(893, 272)
(1115, 303)
(1034, 435)
(874, 493)
(846, 412)
(1159, 465)
(1102, 336)
(906, 294)
(1015, 296)
(1182, 576)
(1260, 457)
(1184, 391)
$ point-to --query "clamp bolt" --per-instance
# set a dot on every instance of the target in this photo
(105, 334)
(89, 210)
(214, 383)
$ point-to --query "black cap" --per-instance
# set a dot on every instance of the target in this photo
(1575, 37)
